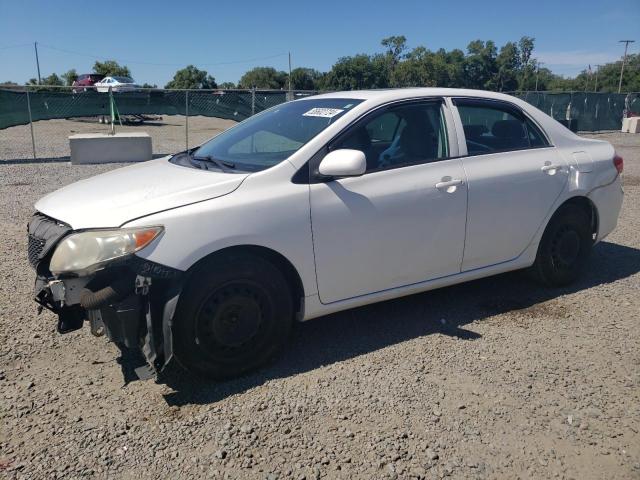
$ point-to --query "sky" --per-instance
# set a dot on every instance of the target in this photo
(225, 38)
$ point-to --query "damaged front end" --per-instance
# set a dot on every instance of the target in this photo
(130, 299)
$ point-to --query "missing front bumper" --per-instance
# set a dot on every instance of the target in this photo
(133, 311)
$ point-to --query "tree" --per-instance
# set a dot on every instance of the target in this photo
(527, 66)
(305, 79)
(263, 77)
(149, 85)
(70, 76)
(546, 79)
(485, 66)
(480, 65)
(608, 77)
(53, 80)
(508, 64)
(111, 68)
(396, 46)
(358, 72)
(191, 77)
(417, 70)
(227, 85)
(8, 83)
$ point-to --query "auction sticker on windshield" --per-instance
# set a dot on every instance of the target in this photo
(323, 112)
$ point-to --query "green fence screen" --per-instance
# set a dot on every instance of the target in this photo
(589, 111)
(49, 104)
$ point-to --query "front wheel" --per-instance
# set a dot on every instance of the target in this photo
(234, 315)
(565, 247)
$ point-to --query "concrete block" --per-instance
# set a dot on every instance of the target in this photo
(631, 125)
(104, 148)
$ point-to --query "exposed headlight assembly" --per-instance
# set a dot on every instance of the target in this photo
(85, 252)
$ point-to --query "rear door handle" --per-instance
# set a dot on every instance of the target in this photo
(551, 168)
(450, 185)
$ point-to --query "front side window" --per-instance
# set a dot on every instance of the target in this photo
(492, 128)
(399, 136)
(270, 137)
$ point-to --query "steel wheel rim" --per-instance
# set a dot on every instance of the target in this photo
(565, 248)
(231, 319)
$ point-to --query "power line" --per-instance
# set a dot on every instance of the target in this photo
(20, 45)
(94, 56)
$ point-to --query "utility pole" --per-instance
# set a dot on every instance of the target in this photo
(290, 95)
(35, 45)
(595, 87)
(624, 60)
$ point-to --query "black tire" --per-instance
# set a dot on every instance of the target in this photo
(234, 315)
(565, 247)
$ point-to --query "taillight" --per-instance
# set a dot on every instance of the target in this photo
(618, 162)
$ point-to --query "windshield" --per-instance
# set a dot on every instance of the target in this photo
(268, 138)
(123, 79)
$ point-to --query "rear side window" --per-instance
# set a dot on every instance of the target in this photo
(490, 127)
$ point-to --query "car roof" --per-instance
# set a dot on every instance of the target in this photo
(390, 94)
(372, 98)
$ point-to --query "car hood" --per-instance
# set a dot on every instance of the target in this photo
(116, 197)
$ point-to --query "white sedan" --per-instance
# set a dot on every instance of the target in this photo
(116, 84)
(315, 206)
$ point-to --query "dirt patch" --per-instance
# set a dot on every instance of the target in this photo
(630, 181)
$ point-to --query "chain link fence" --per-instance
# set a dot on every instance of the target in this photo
(36, 121)
(585, 111)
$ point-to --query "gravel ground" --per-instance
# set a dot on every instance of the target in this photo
(498, 378)
(52, 136)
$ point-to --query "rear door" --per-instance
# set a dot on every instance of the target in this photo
(514, 178)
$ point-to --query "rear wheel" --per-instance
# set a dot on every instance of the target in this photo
(234, 315)
(565, 247)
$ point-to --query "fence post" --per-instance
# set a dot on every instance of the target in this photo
(186, 119)
(112, 113)
(253, 101)
(33, 139)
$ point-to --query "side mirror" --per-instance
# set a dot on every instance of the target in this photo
(343, 163)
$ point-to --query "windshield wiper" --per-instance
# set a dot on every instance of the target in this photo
(221, 164)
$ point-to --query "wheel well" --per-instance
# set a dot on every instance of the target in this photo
(588, 207)
(278, 260)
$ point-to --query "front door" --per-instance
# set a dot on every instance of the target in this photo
(403, 221)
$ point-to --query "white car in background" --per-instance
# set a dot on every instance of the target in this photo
(314, 206)
(116, 84)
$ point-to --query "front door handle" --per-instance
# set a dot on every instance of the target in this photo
(449, 185)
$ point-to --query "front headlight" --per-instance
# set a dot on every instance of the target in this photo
(85, 252)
